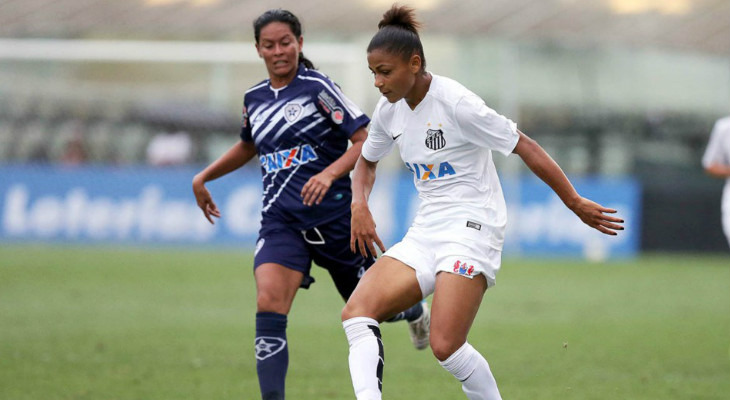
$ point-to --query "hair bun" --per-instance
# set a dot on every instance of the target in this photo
(401, 17)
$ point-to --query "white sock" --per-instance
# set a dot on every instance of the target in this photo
(472, 370)
(366, 357)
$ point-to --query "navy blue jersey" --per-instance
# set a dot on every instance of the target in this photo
(298, 131)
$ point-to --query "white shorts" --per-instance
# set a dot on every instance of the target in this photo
(448, 247)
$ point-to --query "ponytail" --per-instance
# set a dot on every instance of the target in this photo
(398, 34)
(305, 61)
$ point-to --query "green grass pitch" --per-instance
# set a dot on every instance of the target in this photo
(106, 324)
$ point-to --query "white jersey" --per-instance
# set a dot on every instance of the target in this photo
(446, 143)
(718, 152)
(718, 149)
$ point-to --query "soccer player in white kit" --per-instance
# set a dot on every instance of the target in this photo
(716, 162)
(445, 135)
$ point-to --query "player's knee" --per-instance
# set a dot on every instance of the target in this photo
(355, 309)
(268, 301)
(349, 311)
(443, 347)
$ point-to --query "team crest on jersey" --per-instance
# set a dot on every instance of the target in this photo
(463, 268)
(292, 112)
(435, 139)
(267, 346)
(284, 159)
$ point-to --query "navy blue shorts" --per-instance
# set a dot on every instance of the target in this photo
(328, 245)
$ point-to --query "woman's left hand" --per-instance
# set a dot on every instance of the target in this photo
(594, 215)
(314, 190)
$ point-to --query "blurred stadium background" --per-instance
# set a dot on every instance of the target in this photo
(622, 93)
(620, 89)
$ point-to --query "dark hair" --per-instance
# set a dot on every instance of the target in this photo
(398, 34)
(284, 16)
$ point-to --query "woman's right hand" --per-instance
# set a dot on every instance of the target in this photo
(362, 231)
(205, 200)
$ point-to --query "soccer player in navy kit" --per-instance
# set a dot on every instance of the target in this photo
(298, 123)
(445, 135)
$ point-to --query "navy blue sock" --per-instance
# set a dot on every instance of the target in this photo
(409, 315)
(272, 354)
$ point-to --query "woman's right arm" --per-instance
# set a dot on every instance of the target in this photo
(233, 159)
(715, 159)
(362, 229)
(718, 171)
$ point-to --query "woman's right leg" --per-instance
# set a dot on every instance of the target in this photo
(388, 287)
(276, 287)
(281, 263)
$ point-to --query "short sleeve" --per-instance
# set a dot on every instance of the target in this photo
(342, 113)
(246, 135)
(714, 153)
(485, 127)
(379, 143)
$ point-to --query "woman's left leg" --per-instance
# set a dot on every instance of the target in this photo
(456, 300)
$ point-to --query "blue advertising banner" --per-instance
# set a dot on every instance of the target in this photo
(540, 224)
(144, 205)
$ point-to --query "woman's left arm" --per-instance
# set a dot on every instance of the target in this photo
(314, 190)
(542, 165)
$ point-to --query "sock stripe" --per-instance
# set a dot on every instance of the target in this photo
(381, 356)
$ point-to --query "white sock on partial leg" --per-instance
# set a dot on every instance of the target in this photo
(472, 370)
(366, 357)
